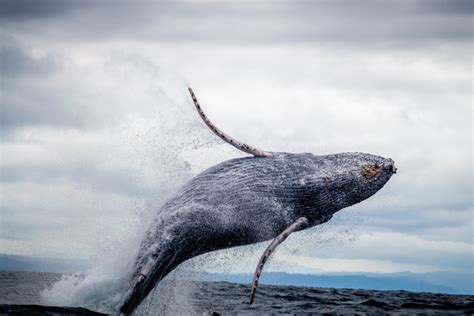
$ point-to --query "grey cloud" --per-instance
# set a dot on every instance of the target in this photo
(26, 97)
(33, 223)
(25, 105)
(347, 23)
(420, 222)
(47, 91)
(120, 181)
(31, 9)
(449, 7)
(374, 244)
(16, 60)
(407, 254)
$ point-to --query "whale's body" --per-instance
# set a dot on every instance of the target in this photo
(250, 200)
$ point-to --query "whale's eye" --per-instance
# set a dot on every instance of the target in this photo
(370, 171)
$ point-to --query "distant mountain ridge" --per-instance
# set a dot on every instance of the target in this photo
(34, 264)
(435, 282)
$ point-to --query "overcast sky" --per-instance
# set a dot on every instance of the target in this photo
(97, 127)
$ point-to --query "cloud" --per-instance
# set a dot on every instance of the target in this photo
(320, 251)
(97, 128)
(315, 265)
(27, 9)
(27, 97)
(62, 91)
(16, 60)
(403, 23)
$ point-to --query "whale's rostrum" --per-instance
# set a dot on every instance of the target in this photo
(249, 200)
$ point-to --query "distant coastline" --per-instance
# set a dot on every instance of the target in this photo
(434, 282)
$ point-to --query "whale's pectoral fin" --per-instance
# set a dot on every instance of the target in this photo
(228, 139)
(298, 224)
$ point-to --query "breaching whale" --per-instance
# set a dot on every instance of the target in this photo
(249, 200)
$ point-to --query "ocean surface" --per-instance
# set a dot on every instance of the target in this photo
(223, 298)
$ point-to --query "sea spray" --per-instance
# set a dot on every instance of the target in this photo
(165, 148)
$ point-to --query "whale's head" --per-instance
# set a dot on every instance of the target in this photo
(323, 185)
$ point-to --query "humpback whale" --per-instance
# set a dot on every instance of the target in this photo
(249, 200)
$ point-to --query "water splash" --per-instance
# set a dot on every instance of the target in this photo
(164, 149)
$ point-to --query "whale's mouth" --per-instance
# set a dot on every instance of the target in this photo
(389, 165)
(392, 168)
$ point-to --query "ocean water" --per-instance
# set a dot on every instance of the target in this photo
(222, 298)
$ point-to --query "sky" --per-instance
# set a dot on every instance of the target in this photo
(97, 129)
